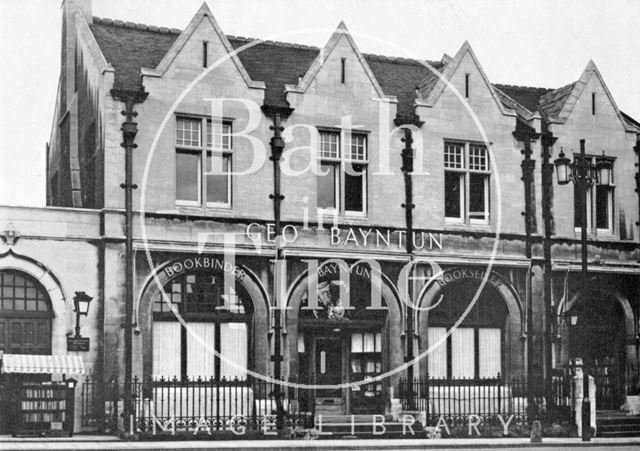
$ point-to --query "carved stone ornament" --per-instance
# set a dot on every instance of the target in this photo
(10, 235)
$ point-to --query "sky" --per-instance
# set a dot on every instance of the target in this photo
(544, 43)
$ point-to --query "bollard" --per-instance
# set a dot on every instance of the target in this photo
(536, 432)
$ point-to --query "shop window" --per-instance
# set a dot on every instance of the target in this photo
(215, 321)
(473, 350)
(203, 164)
(466, 183)
(599, 207)
(342, 166)
(366, 362)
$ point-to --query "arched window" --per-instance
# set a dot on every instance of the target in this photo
(475, 348)
(217, 317)
(25, 314)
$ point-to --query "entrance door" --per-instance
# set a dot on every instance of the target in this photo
(328, 366)
(598, 338)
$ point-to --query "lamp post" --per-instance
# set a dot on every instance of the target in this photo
(583, 174)
(277, 147)
(81, 302)
(407, 170)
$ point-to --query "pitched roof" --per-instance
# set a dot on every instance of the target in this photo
(552, 102)
(130, 47)
(527, 96)
(629, 119)
(275, 63)
(401, 77)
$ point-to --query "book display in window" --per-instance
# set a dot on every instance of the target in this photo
(45, 409)
(366, 364)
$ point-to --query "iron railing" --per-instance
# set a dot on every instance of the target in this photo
(173, 406)
(490, 400)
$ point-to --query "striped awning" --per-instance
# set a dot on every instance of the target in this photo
(45, 364)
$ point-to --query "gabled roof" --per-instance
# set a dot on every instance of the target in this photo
(130, 47)
(277, 64)
(553, 102)
(431, 89)
(630, 120)
(526, 96)
(340, 33)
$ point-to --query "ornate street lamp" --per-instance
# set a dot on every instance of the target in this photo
(604, 170)
(583, 174)
(81, 302)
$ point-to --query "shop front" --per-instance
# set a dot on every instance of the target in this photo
(37, 389)
(344, 322)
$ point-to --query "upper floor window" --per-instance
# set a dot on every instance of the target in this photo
(203, 162)
(599, 206)
(346, 167)
(466, 183)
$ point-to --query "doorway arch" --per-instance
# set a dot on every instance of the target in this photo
(604, 337)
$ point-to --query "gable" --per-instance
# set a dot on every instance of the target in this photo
(328, 65)
(187, 50)
(455, 73)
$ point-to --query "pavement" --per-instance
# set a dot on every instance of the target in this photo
(90, 442)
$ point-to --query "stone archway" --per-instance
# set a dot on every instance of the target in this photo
(603, 336)
(390, 334)
(164, 274)
(61, 322)
(514, 325)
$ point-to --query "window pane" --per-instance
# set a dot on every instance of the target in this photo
(358, 148)
(437, 358)
(478, 160)
(187, 176)
(327, 186)
(166, 349)
(233, 346)
(462, 353)
(354, 189)
(188, 132)
(453, 156)
(602, 207)
(200, 357)
(356, 343)
(452, 194)
(478, 196)
(218, 184)
(329, 145)
(218, 136)
(490, 349)
(369, 345)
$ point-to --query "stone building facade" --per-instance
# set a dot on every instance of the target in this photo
(344, 115)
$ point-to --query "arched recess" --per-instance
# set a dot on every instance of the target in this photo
(161, 276)
(61, 322)
(601, 293)
(393, 351)
(514, 330)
